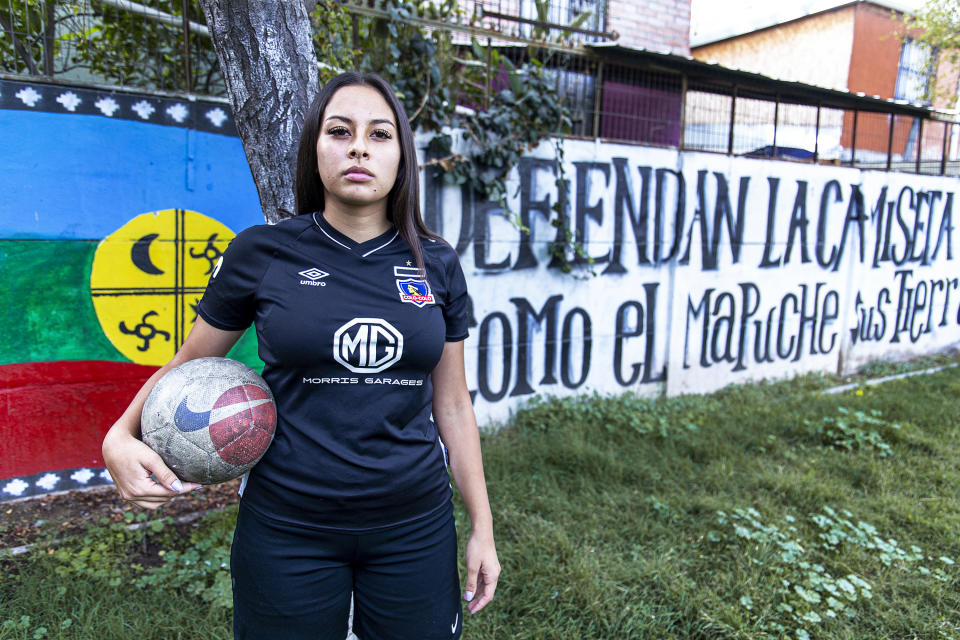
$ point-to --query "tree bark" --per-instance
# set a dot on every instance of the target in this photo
(266, 55)
(49, 35)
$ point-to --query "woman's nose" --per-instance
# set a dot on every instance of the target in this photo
(358, 152)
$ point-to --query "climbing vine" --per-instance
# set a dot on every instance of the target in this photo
(500, 110)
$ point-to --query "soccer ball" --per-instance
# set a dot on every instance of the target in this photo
(210, 419)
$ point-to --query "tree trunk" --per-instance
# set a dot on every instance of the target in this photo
(266, 55)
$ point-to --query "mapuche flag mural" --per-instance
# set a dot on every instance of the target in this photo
(116, 209)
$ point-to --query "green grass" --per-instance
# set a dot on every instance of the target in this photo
(761, 511)
(608, 524)
(36, 606)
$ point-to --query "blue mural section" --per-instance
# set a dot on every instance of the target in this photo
(117, 156)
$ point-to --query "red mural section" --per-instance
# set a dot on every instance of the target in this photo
(61, 407)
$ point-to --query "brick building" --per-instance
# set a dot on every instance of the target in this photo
(854, 46)
(657, 25)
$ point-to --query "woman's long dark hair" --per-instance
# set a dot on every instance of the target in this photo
(403, 201)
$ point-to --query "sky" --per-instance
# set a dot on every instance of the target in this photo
(713, 19)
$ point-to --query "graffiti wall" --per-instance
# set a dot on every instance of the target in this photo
(706, 270)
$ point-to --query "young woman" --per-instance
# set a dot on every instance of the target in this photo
(361, 313)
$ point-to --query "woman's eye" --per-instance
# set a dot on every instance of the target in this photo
(338, 131)
(381, 133)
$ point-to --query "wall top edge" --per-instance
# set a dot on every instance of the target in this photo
(118, 103)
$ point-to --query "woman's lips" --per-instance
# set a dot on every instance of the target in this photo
(357, 174)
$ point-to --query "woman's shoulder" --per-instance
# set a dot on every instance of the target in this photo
(443, 267)
(266, 235)
(439, 250)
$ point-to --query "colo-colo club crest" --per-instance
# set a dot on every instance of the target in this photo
(415, 292)
(415, 289)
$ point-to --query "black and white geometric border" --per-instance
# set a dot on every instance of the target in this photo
(200, 115)
(40, 484)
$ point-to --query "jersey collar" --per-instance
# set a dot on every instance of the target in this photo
(364, 249)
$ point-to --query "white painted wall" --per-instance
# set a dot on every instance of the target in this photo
(819, 249)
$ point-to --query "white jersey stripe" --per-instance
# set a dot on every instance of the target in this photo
(381, 246)
(327, 234)
(345, 246)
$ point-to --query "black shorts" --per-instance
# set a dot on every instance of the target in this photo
(294, 583)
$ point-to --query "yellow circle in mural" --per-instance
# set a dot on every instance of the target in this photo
(147, 279)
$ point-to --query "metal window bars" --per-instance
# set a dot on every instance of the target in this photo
(613, 93)
(89, 41)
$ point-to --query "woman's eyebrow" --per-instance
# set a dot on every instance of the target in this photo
(350, 122)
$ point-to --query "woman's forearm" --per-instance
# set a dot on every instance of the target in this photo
(457, 424)
(460, 435)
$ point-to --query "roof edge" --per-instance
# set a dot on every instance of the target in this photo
(715, 38)
(752, 84)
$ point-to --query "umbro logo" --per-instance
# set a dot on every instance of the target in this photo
(312, 275)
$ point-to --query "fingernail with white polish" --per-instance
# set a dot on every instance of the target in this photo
(177, 486)
(468, 596)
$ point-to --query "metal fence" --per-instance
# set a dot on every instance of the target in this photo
(624, 103)
(86, 41)
(864, 139)
(557, 20)
(159, 44)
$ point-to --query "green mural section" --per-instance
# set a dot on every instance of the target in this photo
(46, 312)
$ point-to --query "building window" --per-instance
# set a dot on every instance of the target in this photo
(913, 74)
(566, 12)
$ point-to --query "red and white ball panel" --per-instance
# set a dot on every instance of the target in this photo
(210, 419)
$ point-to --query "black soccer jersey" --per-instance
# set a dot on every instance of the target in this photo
(349, 333)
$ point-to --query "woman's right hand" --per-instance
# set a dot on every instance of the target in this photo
(139, 473)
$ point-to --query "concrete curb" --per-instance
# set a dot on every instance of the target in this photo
(876, 381)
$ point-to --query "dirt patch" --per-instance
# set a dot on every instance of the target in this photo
(24, 521)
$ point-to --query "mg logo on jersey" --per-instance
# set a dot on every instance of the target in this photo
(367, 345)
